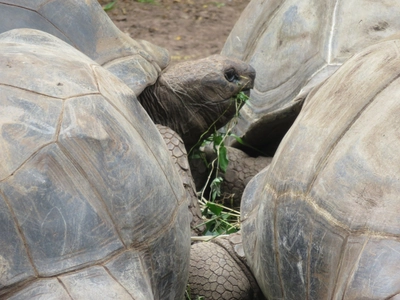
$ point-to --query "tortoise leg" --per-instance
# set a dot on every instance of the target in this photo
(240, 170)
(179, 157)
(218, 271)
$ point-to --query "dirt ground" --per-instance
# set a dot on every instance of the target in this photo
(189, 29)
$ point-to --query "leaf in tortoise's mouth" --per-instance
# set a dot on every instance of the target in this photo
(242, 96)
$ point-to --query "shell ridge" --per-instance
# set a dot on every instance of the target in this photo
(26, 160)
(143, 256)
(286, 81)
(329, 218)
(82, 172)
(339, 266)
(64, 287)
(59, 122)
(115, 279)
(121, 58)
(28, 90)
(262, 28)
(143, 139)
(323, 161)
(20, 233)
(353, 270)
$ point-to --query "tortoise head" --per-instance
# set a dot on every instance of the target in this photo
(192, 96)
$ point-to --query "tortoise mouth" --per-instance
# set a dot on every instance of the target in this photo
(232, 98)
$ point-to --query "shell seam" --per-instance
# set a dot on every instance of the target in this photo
(251, 46)
(81, 171)
(339, 266)
(115, 279)
(20, 233)
(354, 268)
(26, 160)
(64, 287)
(333, 221)
(144, 140)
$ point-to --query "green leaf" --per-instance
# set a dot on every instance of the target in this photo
(216, 188)
(217, 140)
(225, 216)
(109, 6)
(223, 158)
(241, 97)
(238, 139)
(214, 208)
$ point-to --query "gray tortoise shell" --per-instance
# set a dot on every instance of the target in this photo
(91, 206)
(294, 45)
(323, 220)
(84, 25)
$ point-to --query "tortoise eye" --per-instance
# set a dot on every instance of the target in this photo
(231, 75)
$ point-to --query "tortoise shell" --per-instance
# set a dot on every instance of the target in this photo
(90, 204)
(85, 25)
(322, 222)
(294, 45)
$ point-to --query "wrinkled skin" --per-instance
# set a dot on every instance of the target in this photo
(193, 96)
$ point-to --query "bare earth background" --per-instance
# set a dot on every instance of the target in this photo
(189, 29)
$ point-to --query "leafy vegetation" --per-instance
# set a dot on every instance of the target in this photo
(219, 219)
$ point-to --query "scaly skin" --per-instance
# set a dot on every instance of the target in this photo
(194, 96)
(241, 168)
(218, 271)
(179, 157)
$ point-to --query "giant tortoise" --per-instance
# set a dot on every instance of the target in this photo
(322, 221)
(91, 206)
(187, 97)
(294, 45)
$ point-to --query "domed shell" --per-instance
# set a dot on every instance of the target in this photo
(90, 203)
(294, 45)
(323, 221)
(85, 25)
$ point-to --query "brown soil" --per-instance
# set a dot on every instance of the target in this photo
(189, 29)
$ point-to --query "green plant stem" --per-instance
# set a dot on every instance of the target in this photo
(223, 220)
(234, 212)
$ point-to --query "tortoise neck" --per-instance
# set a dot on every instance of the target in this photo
(153, 105)
(167, 107)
